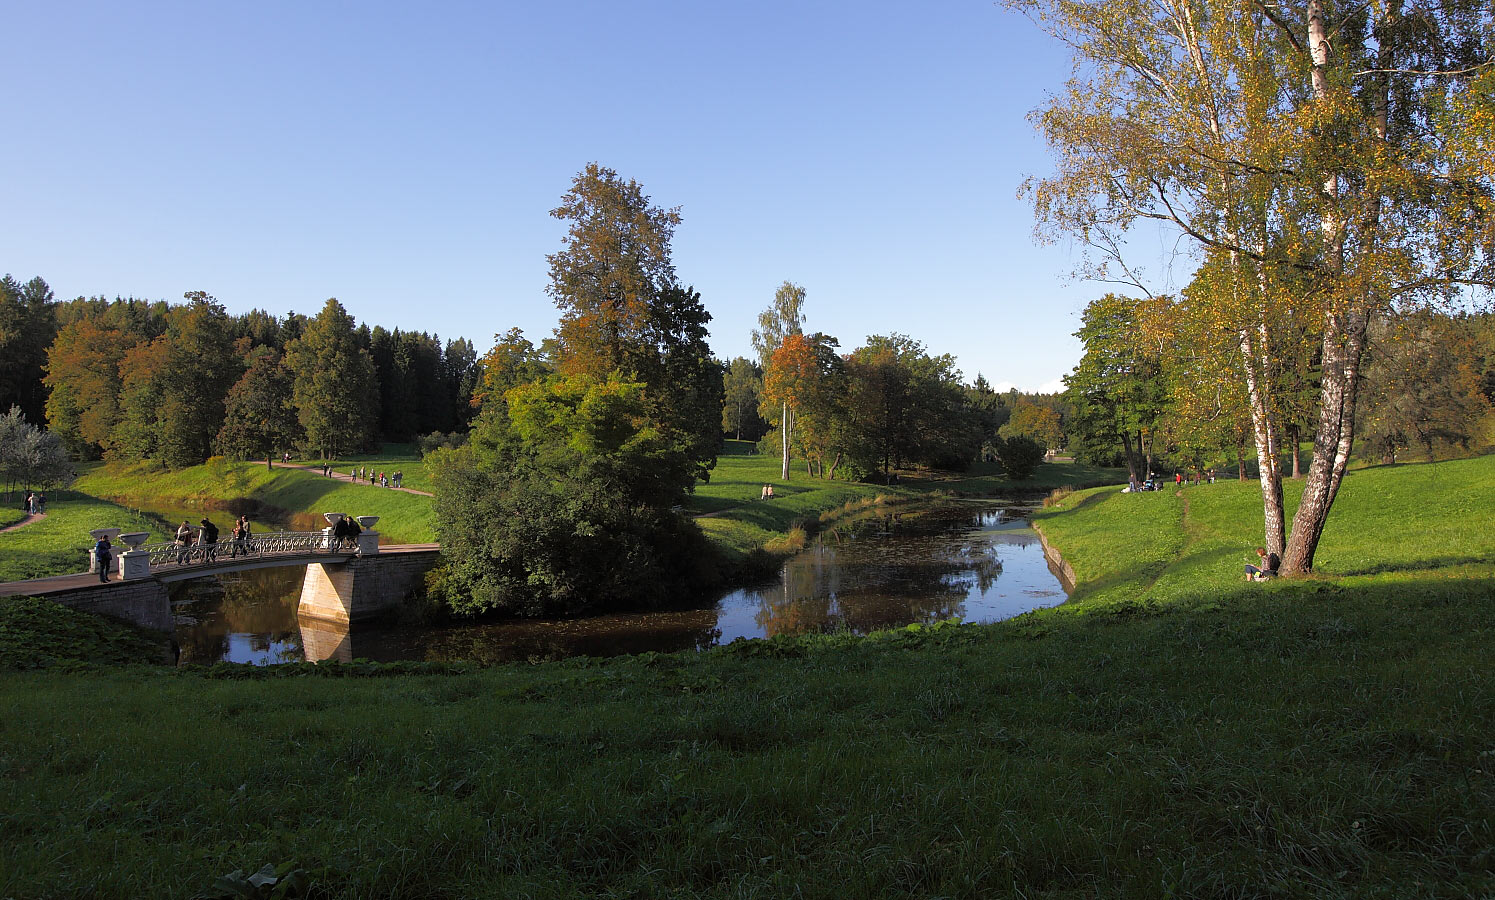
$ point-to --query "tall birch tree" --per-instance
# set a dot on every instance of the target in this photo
(1323, 154)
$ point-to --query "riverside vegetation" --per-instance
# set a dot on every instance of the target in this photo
(1173, 731)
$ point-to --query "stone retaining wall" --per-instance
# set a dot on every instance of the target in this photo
(142, 603)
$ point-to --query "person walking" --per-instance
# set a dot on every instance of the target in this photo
(244, 534)
(26, 503)
(207, 538)
(102, 552)
(41, 504)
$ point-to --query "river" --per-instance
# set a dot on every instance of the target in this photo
(978, 562)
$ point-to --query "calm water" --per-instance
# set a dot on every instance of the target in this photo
(978, 562)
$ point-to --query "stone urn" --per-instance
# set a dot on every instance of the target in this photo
(332, 518)
(135, 563)
(135, 538)
(367, 522)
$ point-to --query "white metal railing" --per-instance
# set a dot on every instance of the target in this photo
(271, 543)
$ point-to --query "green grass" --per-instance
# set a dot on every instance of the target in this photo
(404, 518)
(11, 512)
(58, 544)
(1327, 745)
(1172, 544)
(1325, 737)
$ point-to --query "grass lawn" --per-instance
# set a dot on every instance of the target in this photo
(58, 544)
(1325, 737)
(1427, 518)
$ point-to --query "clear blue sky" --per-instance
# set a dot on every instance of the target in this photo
(404, 157)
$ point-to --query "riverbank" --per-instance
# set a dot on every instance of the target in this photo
(1424, 520)
(1325, 737)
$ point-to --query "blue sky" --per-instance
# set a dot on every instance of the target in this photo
(404, 158)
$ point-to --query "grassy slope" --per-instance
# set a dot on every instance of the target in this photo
(1318, 737)
(405, 518)
(58, 544)
(1170, 544)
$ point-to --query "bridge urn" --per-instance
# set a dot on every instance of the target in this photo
(367, 522)
(135, 563)
(332, 518)
(99, 534)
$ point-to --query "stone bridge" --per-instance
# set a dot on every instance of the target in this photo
(346, 580)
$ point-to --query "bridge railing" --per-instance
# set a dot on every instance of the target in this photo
(270, 543)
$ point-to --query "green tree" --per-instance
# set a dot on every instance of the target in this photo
(1336, 151)
(513, 361)
(28, 324)
(1037, 423)
(742, 385)
(623, 310)
(260, 417)
(29, 456)
(333, 384)
(562, 504)
(1019, 455)
(1422, 386)
(201, 365)
(1116, 394)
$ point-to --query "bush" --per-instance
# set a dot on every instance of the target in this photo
(1019, 455)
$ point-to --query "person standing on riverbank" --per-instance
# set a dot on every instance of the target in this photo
(102, 552)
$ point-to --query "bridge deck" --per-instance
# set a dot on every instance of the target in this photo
(38, 587)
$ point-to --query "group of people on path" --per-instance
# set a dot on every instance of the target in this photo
(767, 492)
(34, 504)
(1154, 483)
(383, 479)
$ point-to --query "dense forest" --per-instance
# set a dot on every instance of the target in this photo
(131, 380)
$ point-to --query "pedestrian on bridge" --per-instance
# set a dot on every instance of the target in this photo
(207, 538)
(102, 551)
(183, 541)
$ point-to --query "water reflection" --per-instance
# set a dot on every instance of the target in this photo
(979, 564)
(970, 561)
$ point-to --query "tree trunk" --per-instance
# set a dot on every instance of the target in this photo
(784, 437)
(1344, 341)
(1295, 436)
(1131, 458)
(835, 464)
(1256, 364)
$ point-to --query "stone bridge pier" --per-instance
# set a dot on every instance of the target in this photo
(365, 587)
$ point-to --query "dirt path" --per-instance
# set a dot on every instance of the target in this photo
(343, 476)
(35, 517)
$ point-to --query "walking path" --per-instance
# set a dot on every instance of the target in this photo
(344, 476)
(33, 517)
